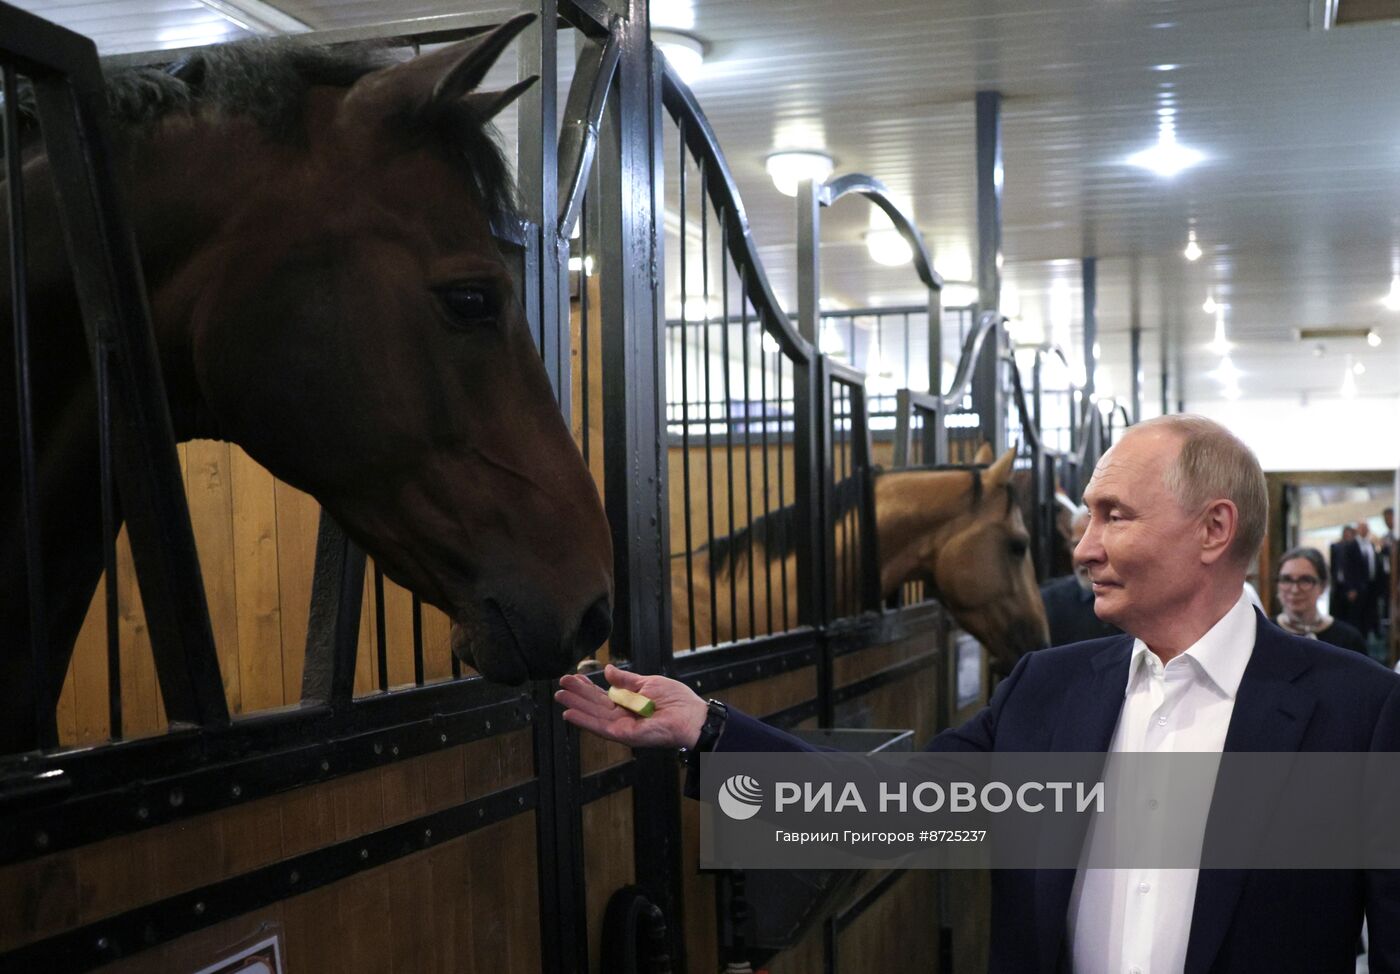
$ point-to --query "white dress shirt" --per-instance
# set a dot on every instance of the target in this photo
(1138, 921)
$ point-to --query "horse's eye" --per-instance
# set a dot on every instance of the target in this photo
(1018, 547)
(468, 303)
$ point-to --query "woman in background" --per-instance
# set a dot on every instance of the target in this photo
(1302, 578)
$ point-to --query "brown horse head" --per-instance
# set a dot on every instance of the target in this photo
(962, 532)
(335, 301)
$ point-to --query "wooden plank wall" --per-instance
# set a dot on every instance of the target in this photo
(468, 904)
(257, 545)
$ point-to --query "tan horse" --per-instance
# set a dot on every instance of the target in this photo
(958, 530)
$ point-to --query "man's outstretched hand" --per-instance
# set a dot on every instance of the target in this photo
(676, 721)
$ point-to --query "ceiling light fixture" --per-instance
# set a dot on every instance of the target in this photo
(888, 247)
(1220, 344)
(1392, 300)
(1168, 157)
(959, 294)
(1226, 372)
(1193, 249)
(791, 166)
(684, 52)
(1373, 338)
(1210, 305)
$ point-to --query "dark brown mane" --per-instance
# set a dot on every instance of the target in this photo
(267, 81)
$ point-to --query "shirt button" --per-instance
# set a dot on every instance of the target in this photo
(1135, 970)
(1152, 803)
(1144, 887)
(1162, 720)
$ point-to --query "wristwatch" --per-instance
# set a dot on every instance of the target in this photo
(716, 714)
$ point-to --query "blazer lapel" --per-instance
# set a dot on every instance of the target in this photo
(1271, 714)
(1086, 722)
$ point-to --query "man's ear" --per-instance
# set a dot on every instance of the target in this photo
(1219, 524)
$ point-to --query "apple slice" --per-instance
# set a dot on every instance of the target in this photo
(633, 701)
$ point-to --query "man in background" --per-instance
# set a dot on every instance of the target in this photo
(1361, 565)
(1343, 602)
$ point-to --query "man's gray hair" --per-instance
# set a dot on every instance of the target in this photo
(1214, 463)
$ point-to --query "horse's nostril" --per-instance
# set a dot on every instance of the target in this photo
(595, 626)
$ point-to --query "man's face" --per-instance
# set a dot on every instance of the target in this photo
(1363, 529)
(1389, 521)
(1142, 551)
(1076, 535)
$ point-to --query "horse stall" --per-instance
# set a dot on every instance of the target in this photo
(275, 726)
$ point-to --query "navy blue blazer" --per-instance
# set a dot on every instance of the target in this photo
(1296, 695)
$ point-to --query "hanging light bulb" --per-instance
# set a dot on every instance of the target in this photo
(1210, 305)
(1193, 249)
(1373, 339)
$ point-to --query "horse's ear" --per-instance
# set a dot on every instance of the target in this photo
(435, 80)
(999, 473)
(488, 104)
(984, 455)
(473, 58)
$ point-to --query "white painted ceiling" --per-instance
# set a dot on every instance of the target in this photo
(1297, 204)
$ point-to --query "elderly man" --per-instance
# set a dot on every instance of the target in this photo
(1177, 513)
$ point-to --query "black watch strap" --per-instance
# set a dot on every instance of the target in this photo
(715, 716)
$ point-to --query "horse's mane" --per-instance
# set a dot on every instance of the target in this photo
(776, 531)
(266, 80)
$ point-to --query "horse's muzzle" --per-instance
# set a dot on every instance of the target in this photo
(510, 644)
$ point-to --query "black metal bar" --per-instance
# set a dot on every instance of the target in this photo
(578, 140)
(381, 630)
(767, 507)
(685, 398)
(111, 294)
(95, 944)
(708, 402)
(903, 429)
(869, 542)
(111, 604)
(1090, 278)
(782, 492)
(728, 422)
(895, 674)
(711, 671)
(748, 447)
(42, 697)
(127, 786)
(333, 629)
(631, 154)
(1135, 334)
(989, 182)
(853, 912)
(417, 641)
(906, 349)
(583, 350)
(609, 781)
